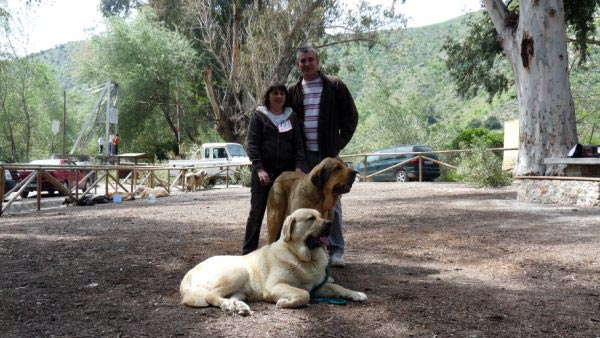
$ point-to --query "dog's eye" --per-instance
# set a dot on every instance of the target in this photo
(312, 218)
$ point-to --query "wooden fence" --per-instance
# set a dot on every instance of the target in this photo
(126, 178)
(110, 179)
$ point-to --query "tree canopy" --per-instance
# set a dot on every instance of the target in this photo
(478, 62)
(154, 67)
(533, 38)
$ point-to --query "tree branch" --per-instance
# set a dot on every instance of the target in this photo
(498, 13)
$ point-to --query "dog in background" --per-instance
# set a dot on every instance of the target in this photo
(287, 272)
(143, 192)
(320, 189)
(89, 200)
(195, 180)
(125, 196)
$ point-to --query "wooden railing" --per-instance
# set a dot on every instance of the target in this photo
(113, 179)
(419, 156)
(110, 176)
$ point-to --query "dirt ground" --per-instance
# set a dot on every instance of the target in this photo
(435, 259)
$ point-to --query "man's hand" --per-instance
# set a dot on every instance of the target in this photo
(263, 176)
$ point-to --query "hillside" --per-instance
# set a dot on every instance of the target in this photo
(408, 74)
(60, 58)
(414, 68)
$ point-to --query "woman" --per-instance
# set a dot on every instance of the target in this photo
(274, 145)
(116, 144)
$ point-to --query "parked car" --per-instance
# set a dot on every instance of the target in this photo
(10, 180)
(404, 173)
(68, 177)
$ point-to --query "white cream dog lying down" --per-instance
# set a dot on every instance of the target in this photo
(283, 272)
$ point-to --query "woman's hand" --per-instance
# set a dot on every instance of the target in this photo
(299, 171)
(263, 176)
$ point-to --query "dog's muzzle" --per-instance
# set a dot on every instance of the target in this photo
(346, 186)
(321, 240)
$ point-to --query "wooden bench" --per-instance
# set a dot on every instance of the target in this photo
(578, 167)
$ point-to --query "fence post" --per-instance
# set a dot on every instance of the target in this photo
(365, 169)
(39, 189)
(420, 169)
(227, 177)
(2, 183)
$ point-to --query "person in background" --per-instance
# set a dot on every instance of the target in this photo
(100, 142)
(111, 139)
(116, 144)
(329, 116)
(275, 145)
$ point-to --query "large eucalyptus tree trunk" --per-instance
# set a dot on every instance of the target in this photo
(535, 44)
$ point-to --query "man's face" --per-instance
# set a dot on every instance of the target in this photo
(308, 65)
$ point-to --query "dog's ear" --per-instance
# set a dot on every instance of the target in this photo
(288, 228)
(320, 177)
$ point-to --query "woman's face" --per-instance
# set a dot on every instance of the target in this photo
(276, 98)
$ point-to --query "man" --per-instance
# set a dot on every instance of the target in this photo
(327, 110)
(100, 145)
(111, 139)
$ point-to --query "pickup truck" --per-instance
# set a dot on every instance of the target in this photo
(68, 177)
(214, 158)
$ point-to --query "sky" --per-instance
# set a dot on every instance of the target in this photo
(59, 21)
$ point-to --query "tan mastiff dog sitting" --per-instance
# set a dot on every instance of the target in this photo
(286, 272)
(320, 189)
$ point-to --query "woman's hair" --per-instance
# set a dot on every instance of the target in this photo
(278, 86)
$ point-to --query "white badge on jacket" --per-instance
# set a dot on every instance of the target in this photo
(285, 126)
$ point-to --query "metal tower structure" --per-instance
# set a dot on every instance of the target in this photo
(105, 112)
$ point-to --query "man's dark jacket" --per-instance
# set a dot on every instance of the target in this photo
(338, 116)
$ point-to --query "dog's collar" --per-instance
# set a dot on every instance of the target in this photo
(335, 301)
(320, 285)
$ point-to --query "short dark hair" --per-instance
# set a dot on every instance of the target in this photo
(277, 86)
(306, 49)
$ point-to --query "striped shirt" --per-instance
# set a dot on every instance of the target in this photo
(312, 98)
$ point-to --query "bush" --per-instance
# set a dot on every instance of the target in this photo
(245, 175)
(468, 137)
(482, 167)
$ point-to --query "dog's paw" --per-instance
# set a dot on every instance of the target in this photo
(359, 297)
(236, 306)
(228, 305)
(242, 308)
(283, 303)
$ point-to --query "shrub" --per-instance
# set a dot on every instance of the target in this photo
(245, 175)
(482, 167)
(467, 138)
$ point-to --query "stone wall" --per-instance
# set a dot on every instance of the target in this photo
(565, 192)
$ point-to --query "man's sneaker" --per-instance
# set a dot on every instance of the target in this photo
(337, 260)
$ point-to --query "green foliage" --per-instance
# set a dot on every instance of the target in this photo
(404, 95)
(482, 167)
(153, 67)
(404, 92)
(118, 7)
(60, 60)
(29, 100)
(471, 137)
(477, 62)
(580, 17)
(245, 176)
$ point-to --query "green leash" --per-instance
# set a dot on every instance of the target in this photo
(334, 301)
